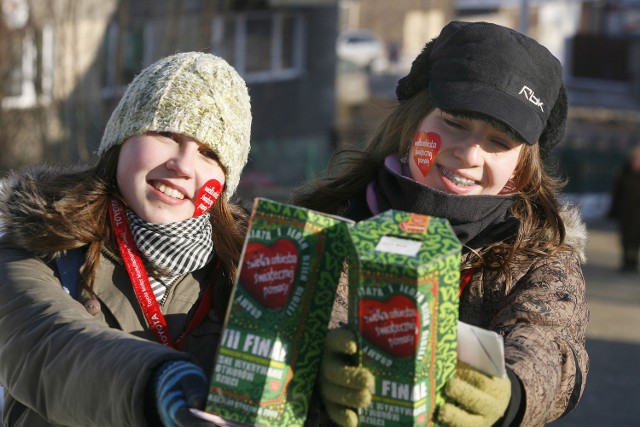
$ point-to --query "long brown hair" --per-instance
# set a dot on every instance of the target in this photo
(541, 232)
(78, 203)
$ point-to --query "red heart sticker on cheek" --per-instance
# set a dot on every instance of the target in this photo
(392, 325)
(425, 149)
(207, 196)
(268, 272)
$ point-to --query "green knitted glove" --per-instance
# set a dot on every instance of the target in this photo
(474, 399)
(344, 386)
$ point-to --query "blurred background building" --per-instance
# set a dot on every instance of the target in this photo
(321, 73)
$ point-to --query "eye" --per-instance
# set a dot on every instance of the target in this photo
(169, 135)
(504, 145)
(456, 124)
(209, 153)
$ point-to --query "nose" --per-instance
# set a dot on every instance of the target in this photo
(182, 161)
(469, 153)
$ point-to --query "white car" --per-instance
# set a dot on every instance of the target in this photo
(361, 47)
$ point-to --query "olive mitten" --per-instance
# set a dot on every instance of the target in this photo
(345, 387)
(473, 399)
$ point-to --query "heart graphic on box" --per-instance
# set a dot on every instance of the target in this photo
(392, 325)
(268, 271)
(274, 385)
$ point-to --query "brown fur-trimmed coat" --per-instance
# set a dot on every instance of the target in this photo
(543, 318)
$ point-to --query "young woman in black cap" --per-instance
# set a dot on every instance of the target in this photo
(481, 108)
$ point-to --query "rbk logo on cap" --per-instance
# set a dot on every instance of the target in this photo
(530, 95)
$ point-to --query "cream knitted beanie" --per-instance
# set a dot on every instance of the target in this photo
(195, 94)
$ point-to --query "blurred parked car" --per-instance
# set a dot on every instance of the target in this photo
(361, 47)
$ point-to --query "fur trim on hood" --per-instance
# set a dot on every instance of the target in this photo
(24, 208)
(576, 231)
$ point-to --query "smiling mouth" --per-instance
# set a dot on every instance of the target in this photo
(171, 192)
(456, 179)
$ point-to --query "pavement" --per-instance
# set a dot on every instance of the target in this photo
(612, 393)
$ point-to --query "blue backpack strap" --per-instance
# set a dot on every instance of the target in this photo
(68, 266)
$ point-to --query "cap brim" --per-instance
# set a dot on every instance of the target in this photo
(481, 98)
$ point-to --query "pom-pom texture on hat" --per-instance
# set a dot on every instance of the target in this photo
(195, 94)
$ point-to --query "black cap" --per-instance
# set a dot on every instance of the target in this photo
(494, 70)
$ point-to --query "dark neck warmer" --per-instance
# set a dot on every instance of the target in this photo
(476, 220)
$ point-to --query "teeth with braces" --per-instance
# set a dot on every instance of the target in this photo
(171, 192)
(458, 180)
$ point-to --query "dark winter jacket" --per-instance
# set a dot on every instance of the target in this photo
(99, 366)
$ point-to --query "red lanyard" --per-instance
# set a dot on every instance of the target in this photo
(142, 287)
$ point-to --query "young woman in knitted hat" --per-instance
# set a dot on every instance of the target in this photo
(159, 241)
(479, 111)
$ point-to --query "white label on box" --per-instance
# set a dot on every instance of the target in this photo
(398, 246)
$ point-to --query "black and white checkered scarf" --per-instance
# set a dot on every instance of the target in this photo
(174, 249)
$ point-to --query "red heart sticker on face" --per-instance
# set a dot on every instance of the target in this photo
(207, 197)
(392, 325)
(268, 272)
(425, 149)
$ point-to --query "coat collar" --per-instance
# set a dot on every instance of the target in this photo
(113, 288)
